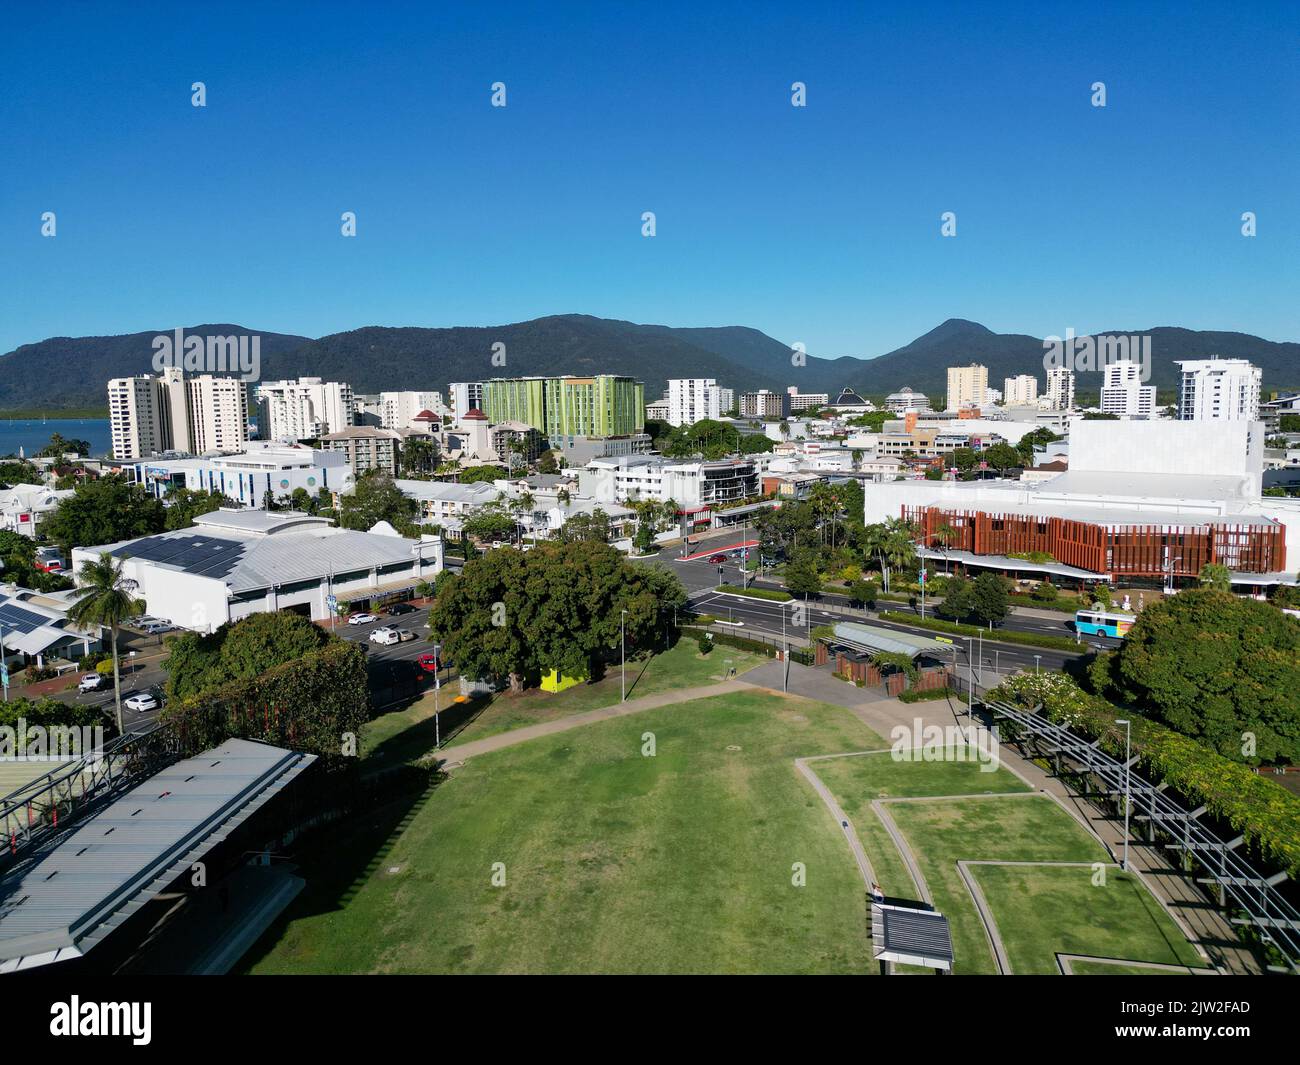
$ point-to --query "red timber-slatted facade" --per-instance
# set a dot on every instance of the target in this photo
(1129, 550)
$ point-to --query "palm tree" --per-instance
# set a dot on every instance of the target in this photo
(107, 601)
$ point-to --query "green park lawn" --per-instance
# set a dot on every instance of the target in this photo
(614, 862)
(1039, 911)
(406, 734)
(857, 781)
(1116, 919)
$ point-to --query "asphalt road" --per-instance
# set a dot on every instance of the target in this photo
(701, 578)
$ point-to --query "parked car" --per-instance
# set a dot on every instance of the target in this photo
(429, 663)
(362, 619)
(142, 702)
(92, 682)
(401, 608)
(155, 628)
(404, 634)
(717, 560)
(385, 636)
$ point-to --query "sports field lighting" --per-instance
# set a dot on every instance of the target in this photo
(1128, 740)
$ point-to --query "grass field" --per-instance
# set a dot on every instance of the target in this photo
(856, 781)
(682, 666)
(613, 862)
(1038, 911)
(1099, 968)
(1116, 919)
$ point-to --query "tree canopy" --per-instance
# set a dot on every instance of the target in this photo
(1219, 668)
(240, 650)
(515, 614)
(104, 512)
(376, 498)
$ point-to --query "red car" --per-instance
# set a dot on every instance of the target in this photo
(429, 663)
(717, 560)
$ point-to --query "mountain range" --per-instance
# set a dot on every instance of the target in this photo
(71, 372)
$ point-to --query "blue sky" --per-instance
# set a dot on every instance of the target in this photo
(819, 224)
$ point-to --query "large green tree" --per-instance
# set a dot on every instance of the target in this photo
(376, 498)
(184, 505)
(240, 650)
(1219, 668)
(104, 512)
(514, 615)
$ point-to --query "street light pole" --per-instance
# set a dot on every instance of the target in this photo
(622, 650)
(1037, 660)
(1128, 740)
(437, 695)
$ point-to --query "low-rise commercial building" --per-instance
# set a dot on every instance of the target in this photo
(247, 476)
(233, 563)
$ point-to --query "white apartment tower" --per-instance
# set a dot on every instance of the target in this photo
(692, 399)
(1219, 390)
(172, 412)
(967, 386)
(305, 409)
(465, 396)
(1060, 388)
(1124, 394)
(397, 410)
(1020, 391)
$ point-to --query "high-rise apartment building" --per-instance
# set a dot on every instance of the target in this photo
(727, 399)
(172, 412)
(463, 397)
(1020, 391)
(1124, 394)
(563, 408)
(806, 400)
(1219, 390)
(1060, 388)
(305, 409)
(765, 404)
(693, 399)
(967, 386)
(397, 410)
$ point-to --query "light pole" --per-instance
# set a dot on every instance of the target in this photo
(785, 654)
(1037, 660)
(437, 695)
(622, 650)
(4, 666)
(1128, 739)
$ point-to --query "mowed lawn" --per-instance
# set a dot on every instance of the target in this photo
(1028, 829)
(858, 780)
(681, 666)
(613, 862)
(1116, 918)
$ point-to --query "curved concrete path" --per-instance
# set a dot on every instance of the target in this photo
(455, 756)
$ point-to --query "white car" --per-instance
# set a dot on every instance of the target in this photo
(385, 636)
(92, 682)
(362, 619)
(142, 702)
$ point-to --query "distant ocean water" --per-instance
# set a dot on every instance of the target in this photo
(33, 434)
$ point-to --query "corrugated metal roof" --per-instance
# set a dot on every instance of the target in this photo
(875, 638)
(76, 888)
(912, 936)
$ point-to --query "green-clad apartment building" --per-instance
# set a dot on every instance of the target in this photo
(566, 407)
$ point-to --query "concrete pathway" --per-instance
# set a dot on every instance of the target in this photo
(1202, 922)
(455, 756)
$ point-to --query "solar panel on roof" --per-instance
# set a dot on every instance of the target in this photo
(207, 556)
(15, 618)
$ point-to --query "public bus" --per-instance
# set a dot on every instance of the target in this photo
(1103, 623)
